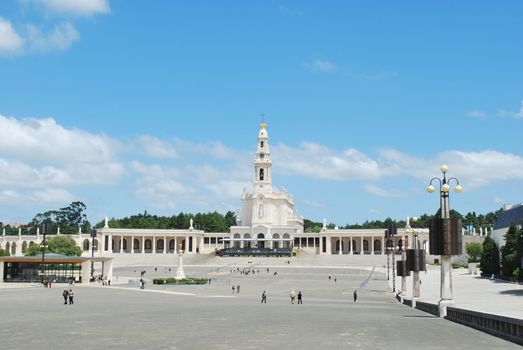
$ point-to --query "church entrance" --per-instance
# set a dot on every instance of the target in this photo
(260, 240)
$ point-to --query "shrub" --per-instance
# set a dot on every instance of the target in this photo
(474, 251)
(489, 262)
(187, 280)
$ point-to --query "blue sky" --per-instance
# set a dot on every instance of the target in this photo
(133, 106)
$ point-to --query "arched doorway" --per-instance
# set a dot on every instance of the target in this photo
(377, 246)
(148, 245)
(171, 245)
(124, 245)
(260, 240)
(236, 243)
(276, 243)
(247, 242)
(136, 245)
(286, 242)
(354, 246)
(159, 246)
(365, 246)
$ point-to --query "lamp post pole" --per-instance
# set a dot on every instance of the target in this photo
(93, 235)
(446, 263)
(44, 231)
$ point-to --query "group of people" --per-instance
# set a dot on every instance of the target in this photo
(293, 297)
(236, 288)
(68, 296)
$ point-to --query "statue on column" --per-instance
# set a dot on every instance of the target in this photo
(106, 223)
(324, 224)
(191, 225)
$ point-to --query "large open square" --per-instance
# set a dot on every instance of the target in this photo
(210, 316)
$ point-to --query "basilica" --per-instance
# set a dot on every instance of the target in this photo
(267, 225)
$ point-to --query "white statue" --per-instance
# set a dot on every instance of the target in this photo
(324, 224)
(106, 222)
(190, 223)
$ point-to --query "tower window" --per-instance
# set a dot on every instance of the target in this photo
(261, 175)
(261, 144)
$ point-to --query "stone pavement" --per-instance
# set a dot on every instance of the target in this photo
(211, 317)
(471, 292)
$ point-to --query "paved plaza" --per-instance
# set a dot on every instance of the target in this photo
(212, 317)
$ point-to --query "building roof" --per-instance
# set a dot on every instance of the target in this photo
(513, 215)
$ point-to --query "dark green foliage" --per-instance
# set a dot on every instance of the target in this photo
(69, 219)
(208, 222)
(187, 280)
(4, 252)
(489, 262)
(60, 245)
(474, 251)
(510, 257)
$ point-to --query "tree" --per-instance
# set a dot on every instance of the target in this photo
(474, 251)
(489, 262)
(4, 252)
(510, 258)
(60, 245)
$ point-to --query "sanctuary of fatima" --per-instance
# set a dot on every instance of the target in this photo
(267, 225)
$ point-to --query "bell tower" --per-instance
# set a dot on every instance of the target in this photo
(262, 163)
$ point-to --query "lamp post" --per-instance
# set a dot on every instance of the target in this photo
(444, 232)
(93, 235)
(415, 273)
(44, 231)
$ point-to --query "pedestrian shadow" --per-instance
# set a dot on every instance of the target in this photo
(513, 292)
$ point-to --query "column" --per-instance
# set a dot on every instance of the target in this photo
(341, 246)
(372, 245)
(175, 245)
(143, 244)
(321, 245)
(328, 241)
(187, 243)
(351, 246)
(361, 245)
(110, 248)
(154, 244)
(121, 244)
(164, 244)
(132, 245)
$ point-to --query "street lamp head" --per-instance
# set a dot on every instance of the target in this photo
(458, 189)
(414, 219)
(430, 189)
(444, 169)
(445, 188)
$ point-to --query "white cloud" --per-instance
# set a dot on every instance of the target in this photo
(43, 140)
(314, 160)
(515, 115)
(477, 114)
(60, 38)
(76, 7)
(157, 148)
(52, 195)
(10, 41)
(320, 65)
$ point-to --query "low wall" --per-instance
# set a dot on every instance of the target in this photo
(504, 327)
(507, 328)
(427, 307)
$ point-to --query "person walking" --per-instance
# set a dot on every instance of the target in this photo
(65, 294)
(293, 296)
(299, 297)
(264, 298)
(238, 289)
(233, 288)
(71, 296)
(329, 278)
(355, 296)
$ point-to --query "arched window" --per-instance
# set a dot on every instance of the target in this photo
(261, 174)
(260, 210)
(24, 247)
(95, 244)
(159, 245)
(171, 246)
(377, 245)
(86, 245)
(261, 144)
(148, 244)
(7, 247)
(13, 248)
(365, 245)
